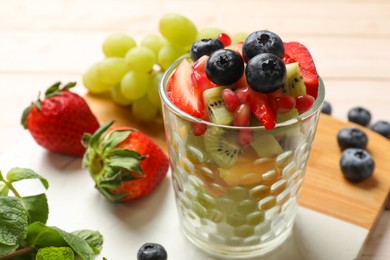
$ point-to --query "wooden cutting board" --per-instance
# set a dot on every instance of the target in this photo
(325, 190)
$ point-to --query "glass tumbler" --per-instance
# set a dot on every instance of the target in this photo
(237, 200)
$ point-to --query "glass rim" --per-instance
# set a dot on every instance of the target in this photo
(177, 111)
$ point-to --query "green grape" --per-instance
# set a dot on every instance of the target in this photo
(153, 93)
(118, 98)
(140, 59)
(178, 29)
(208, 33)
(111, 70)
(92, 83)
(143, 110)
(117, 44)
(168, 54)
(239, 37)
(153, 42)
(135, 85)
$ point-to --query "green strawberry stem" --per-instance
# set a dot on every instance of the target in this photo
(108, 165)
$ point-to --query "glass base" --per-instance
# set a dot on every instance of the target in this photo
(247, 252)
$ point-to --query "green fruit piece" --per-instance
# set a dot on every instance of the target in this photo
(222, 147)
(282, 117)
(216, 108)
(266, 145)
(294, 84)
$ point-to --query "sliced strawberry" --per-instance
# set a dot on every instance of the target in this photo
(297, 52)
(198, 75)
(182, 92)
(260, 107)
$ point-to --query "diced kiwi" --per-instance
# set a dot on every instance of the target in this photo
(281, 117)
(266, 145)
(294, 84)
(222, 146)
(215, 107)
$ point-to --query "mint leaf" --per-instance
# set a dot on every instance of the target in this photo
(7, 249)
(93, 238)
(39, 235)
(37, 208)
(17, 174)
(58, 253)
(79, 245)
(13, 221)
(3, 189)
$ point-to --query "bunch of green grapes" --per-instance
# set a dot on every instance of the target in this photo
(131, 72)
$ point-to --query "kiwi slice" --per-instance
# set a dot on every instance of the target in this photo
(222, 146)
(294, 84)
(281, 117)
(266, 145)
(216, 109)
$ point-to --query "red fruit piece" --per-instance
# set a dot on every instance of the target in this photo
(59, 121)
(225, 39)
(280, 102)
(242, 118)
(297, 52)
(230, 99)
(182, 92)
(198, 75)
(304, 103)
(124, 163)
(260, 107)
(243, 94)
(198, 128)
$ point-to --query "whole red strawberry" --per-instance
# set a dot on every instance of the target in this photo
(125, 163)
(59, 121)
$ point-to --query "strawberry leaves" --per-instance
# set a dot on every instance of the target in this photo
(109, 165)
(23, 229)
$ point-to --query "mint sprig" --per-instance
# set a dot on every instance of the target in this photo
(23, 230)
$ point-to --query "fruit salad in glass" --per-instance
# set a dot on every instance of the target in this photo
(240, 120)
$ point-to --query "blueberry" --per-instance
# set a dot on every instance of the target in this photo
(382, 127)
(356, 164)
(359, 115)
(352, 137)
(224, 67)
(204, 47)
(326, 108)
(152, 251)
(262, 42)
(265, 73)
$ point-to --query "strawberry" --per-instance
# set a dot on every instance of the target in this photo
(261, 108)
(124, 163)
(182, 92)
(297, 52)
(59, 121)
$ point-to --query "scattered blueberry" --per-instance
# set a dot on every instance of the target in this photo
(224, 67)
(352, 137)
(265, 73)
(204, 47)
(152, 251)
(356, 164)
(262, 41)
(326, 108)
(359, 115)
(382, 127)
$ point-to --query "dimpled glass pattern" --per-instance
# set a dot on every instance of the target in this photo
(245, 208)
